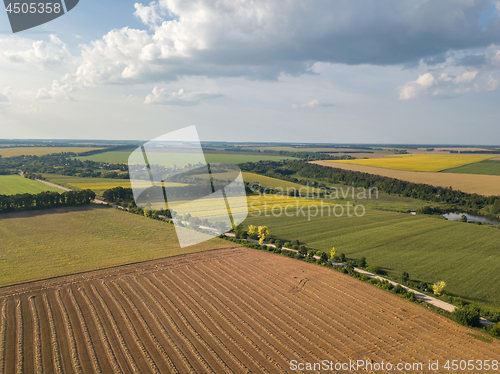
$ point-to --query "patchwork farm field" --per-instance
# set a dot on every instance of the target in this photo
(226, 311)
(15, 184)
(40, 151)
(55, 242)
(481, 184)
(487, 167)
(419, 162)
(121, 157)
(464, 255)
(99, 185)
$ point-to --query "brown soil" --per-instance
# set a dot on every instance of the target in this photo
(225, 311)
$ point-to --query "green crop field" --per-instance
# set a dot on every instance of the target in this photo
(487, 167)
(55, 242)
(464, 255)
(15, 184)
(121, 157)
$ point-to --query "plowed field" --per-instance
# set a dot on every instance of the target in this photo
(224, 311)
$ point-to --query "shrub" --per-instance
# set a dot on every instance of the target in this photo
(271, 241)
(342, 257)
(277, 243)
(467, 315)
(495, 330)
(385, 284)
(365, 278)
(286, 245)
(375, 270)
(342, 269)
(302, 249)
(398, 289)
(438, 288)
(410, 296)
(362, 262)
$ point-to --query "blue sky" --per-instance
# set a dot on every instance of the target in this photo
(387, 71)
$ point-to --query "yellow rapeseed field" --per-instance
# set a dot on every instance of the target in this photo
(40, 151)
(419, 162)
(257, 205)
(100, 186)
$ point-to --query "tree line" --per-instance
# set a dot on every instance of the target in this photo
(43, 200)
(294, 171)
(63, 164)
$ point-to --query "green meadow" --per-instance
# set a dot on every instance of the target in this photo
(15, 184)
(487, 167)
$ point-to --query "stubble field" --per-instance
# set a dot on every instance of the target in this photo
(40, 151)
(55, 242)
(225, 311)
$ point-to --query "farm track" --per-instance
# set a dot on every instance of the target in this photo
(225, 311)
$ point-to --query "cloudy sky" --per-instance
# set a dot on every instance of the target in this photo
(339, 71)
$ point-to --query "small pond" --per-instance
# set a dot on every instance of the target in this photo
(456, 216)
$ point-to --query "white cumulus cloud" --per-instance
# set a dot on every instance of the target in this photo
(164, 97)
(41, 54)
(315, 103)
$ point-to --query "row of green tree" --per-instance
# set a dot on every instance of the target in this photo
(300, 154)
(321, 176)
(43, 200)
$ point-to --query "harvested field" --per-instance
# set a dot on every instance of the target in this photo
(56, 242)
(40, 151)
(225, 311)
(480, 184)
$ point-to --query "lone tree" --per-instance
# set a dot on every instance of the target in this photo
(252, 231)
(438, 288)
(332, 253)
(463, 218)
(322, 256)
(263, 233)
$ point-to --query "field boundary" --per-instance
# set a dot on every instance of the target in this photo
(107, 272)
